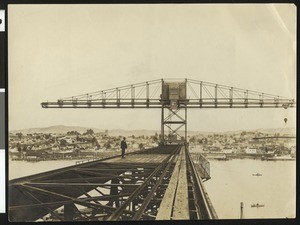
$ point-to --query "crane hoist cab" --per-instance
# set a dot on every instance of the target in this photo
(173, 94)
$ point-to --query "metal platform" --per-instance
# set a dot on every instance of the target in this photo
(155, 184)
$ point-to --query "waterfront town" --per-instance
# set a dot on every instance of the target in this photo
(72, 145)
(245, 144)
(95, 145)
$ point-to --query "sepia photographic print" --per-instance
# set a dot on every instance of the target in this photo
(151, 112)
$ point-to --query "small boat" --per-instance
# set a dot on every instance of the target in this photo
(257, 205)
(257, 174)
(281, 158)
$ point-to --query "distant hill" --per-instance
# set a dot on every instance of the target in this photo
(126, 133)
(287, 130)
(282, 131)
(56, 129)
(114, 132)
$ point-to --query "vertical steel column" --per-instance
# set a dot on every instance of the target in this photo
(147, 94)
(69, 209)
(169, 116)
(216, 95)
(74, 101)
(262, 100)
(162, 133)
(231, 96)
(103, 98)
(276, 101)
(89, 100)
(185, 112)
(118, 97)
(132, 96)
(185, 132)
(200, 100)
(242, 211)
(246, 98)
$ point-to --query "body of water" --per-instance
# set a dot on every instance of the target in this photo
(232, 182)
(24, 168)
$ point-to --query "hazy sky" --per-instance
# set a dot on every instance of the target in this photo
(63, 50)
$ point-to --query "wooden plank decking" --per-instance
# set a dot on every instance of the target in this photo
(175, 201)
(140, 158)
(181, 205)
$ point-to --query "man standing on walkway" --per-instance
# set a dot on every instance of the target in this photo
(123, 146)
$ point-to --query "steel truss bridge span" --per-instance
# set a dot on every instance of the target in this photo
(199, 94)
(174, 98)
(164, 185)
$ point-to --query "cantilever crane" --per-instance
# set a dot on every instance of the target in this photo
(175, 96)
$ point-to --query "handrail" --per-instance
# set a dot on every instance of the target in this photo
(199, 187)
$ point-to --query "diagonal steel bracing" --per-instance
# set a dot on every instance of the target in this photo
(133, 192)
(200, 94)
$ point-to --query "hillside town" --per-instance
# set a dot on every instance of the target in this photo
(250, 144)
(94, 145)
(72, 145)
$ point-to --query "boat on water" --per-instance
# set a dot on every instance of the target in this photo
(257, 205)
(216, 156)
(281, 158)
(257, 174)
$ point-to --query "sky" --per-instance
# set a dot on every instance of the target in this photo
(56, 51)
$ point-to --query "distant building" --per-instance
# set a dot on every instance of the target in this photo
(217, 144)
(289, 144)
(251, 151)
(228, 150)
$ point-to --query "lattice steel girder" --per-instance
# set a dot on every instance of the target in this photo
(69, 187)
(199, 94)
(116, 215)
(43, 194)
(40, 187)
(193, 103)
(179, 123)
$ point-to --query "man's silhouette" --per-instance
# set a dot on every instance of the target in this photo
(123, 146)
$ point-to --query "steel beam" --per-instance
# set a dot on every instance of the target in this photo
(141, 202)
